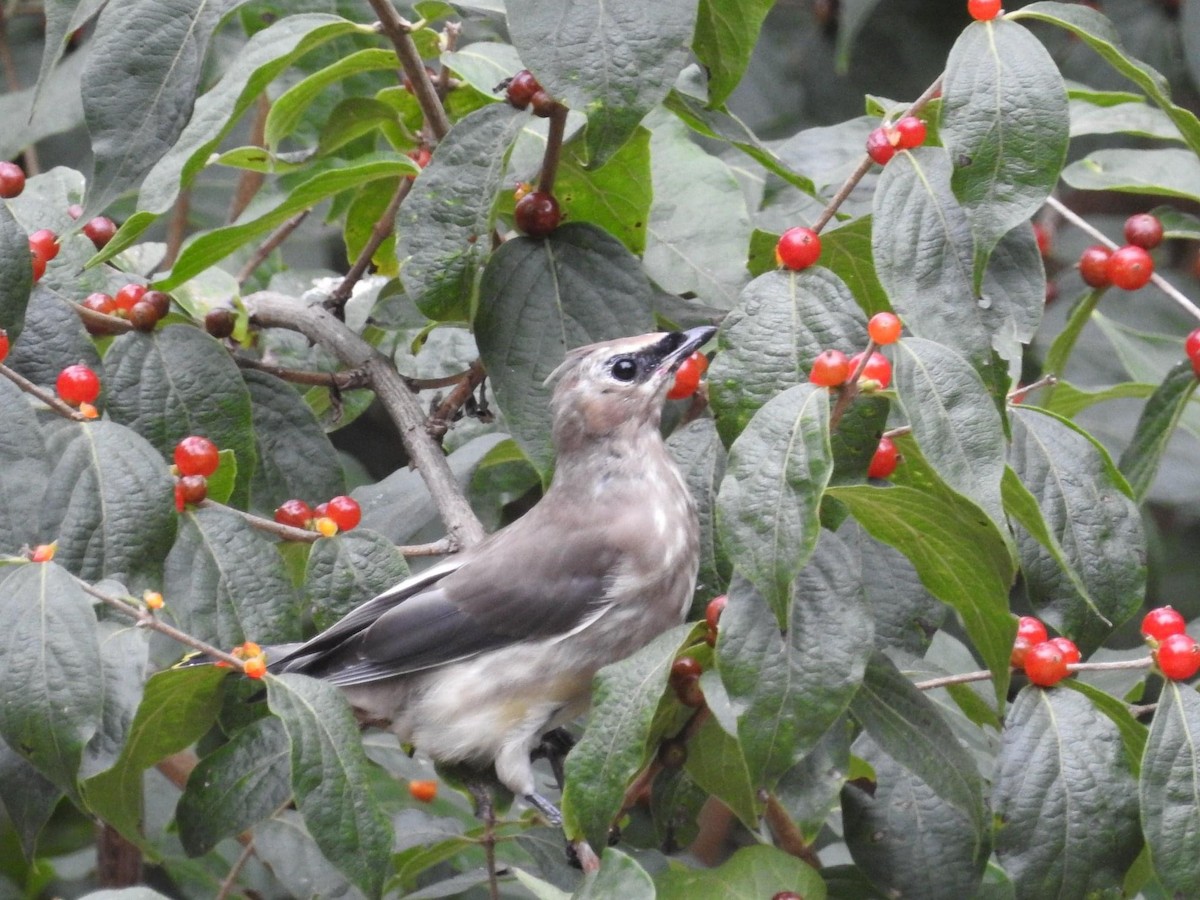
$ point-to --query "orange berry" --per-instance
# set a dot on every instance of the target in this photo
(255, 667)
(326, 526)
(152, 599)
(424, 791)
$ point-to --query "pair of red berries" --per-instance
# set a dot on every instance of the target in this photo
(342, 513)
(196, 458)
(1129, 267)
(1044, 659)
(135, 302)
(43, 246)
(1176, 652)
(884, 141)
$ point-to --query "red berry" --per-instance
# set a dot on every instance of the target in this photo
(687, 376)
(1163, 622)
(3, 345)
(1178, 656)
(1191, 345)
(143, 316)
(1042, 235)
(423, 791)
(685, 681)
(196, 455)
(798, 248)
(44, 243)
(983, 10)
(159, 300)
(77, 384)
(180, 503)
(877, 368)
(219, 322)
(129, 295)
(1093, 266)
(1020, 648)
(100, 230)
(1067, 648)
(1144, 230)
(537, 214)
(12, 180)
(1032, 630)
(521, 89)
(1130, 268)
(39, 267)
(321, 510)
(685, 667)
(883, 463)
(193, 488)
(830, 368)
(712, 613)
(255, 667)
(99, 302)
(296, 513)
(345, 512)
(1044, 664)
(911, 133)
(884, 328)
(879, 145)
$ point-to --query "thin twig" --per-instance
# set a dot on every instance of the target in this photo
(1019, 393)
(398, 32)
(269, 526)
(553, 154)
(177, 228)
(984, 675)
(450, 35)
(439, 422)
(787, 836)
(235, 870)
(267, 247)
(1161, 283)
(46, 397)
(383, 226)
(848, 391)
(342, 381)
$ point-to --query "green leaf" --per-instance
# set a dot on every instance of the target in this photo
(1133, 733)
(1139, 462)
(788, 688)
(619, 876)
(179, 706)
(619, 738)
(124, 652)
(1068, 401)
(483, 64)
(285, 846)
(211, 247)
(539, 298)
(907, 726)
(28, 797)
(226, 584)
(1087, 507)
(613, 61)
(329, 778)
(614, 196)
(443, 228)
(348, 569)
(1060, 350)
(16, 275)
(235, 787)
(294, 456)
(716, 764)
(137, 105)
(767, 505)
(900, 831)
(750, 874)
(176, 382)
(1064, 798)
(1168, 788)
(954, 420)
(53, 701)
(266, 55)
(24, 468)
(1004, 123)
(726, 33)
(1095, 30)
(1131, 116)
(846, 252)
(351, 119)
(781, 322)
(109, 502)
(1161, 173)
(700, 456)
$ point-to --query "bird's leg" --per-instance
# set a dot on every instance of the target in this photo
(554, 747)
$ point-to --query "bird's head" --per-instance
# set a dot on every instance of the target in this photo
(607, 388)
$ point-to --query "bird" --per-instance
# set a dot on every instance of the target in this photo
(473, 660)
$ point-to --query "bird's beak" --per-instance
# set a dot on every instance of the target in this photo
(677, 346)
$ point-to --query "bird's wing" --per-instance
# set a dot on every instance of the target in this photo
(528, 581)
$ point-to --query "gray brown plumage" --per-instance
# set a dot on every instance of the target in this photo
(474, 659)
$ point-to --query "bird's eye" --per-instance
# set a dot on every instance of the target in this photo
(624, 369)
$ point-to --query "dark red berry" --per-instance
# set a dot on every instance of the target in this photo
(100, 230)
(1178, 656)
(196, 455)
(1130, 268)
(143, 316)
(910, 133)
(830, 369)
(12, 180)
(537, 214)
(1163, 622)
(521, 89)
(296, 513)
(159, 300)
(219, 322)
(712, 613)
(99, 302)
(879, 145)
(684, 668)
(345, 512)
(798, 248)
(1144, 230)
(193, 488)
(1093, 266)
(883, 463)
(77, 384)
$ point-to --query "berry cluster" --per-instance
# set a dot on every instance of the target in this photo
(339, 514)
(1175, 651)
(135, 302)
(1044, 659)
(44, 244)
(196, 458)
(884, 141)
(1128, 267)
(687, 376)
(524, 92)
(254, 659)
(79, 386)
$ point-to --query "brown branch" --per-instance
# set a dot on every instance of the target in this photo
(554, 141)
(269, 526)
(398, 32)
(46, 397)
(383, 226)
(342, 381)
(439, 422)
(450, 35)
(270, 309)
(251, 182)
(848, 391)
(267, 247)
(235, 870)
(787, 836)
(177, 228)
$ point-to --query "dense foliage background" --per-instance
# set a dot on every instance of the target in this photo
(264, 157)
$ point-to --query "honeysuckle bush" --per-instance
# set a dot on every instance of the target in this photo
(845, 774)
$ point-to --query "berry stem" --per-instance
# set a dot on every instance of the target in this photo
(1161, 283)
(399, 33)
(849, 390)
(267, 247)
(383, 226)
(984, 675)
(439, 422)
(230, 880)
(1017, 394)
(46, 397)
(554, 141)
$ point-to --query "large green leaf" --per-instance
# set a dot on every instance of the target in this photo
(1163, 173)
(124, 652)
(348, 569)
(700, 455)
(1004, 123)
(619, 876)
(329, 778)
(28, 797)
(613, 61)
(109, 502)
(24, 468)
(751, 873)
(176, 382)
(1170, 783)
(1139, 462)
(540, 298)
(1087, 507)
(53, 699)
(726, 33)
(16, 274)
(767, 506)
(614, 196)
(443, 228)
(137, 103)
(1064, 798)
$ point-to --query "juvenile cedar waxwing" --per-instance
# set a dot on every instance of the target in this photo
(474, 659)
